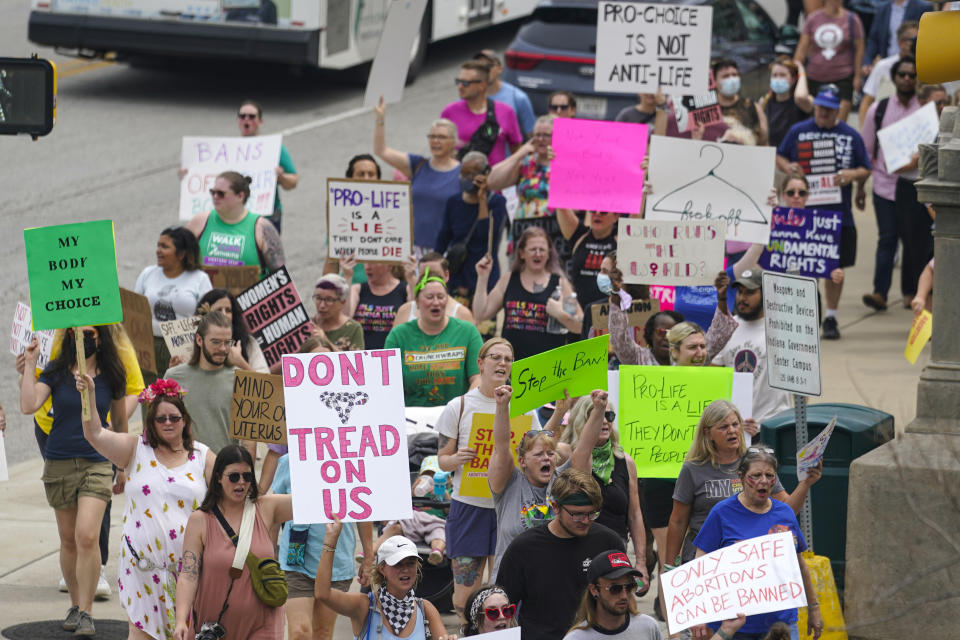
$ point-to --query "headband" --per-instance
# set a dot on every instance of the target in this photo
(578, 499)
(477, 605)
(163, 387)
(426, 279)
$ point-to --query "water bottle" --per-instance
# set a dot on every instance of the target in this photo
(554, 325)
(440, 486)
(423, 486)
(570, 305)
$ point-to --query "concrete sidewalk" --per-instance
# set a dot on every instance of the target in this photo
(865, 367)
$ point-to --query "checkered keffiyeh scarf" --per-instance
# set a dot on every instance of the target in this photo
(396, 611)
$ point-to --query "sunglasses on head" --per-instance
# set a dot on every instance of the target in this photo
(797, 192)
(236, 475)
(618, 588)
(247, 116)
(494, 613)
(171, 420)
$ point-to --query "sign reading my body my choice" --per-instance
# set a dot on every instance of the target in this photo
(72, 270)
(371, 220)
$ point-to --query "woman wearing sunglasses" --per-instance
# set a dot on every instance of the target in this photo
(205, 591)
(167, 476)
(488, 609)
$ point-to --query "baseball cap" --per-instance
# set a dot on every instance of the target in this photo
(611, 565)
(396, 548)
(751, 279)
(828, 96)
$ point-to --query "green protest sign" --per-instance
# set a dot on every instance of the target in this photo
(579, 367)
(72, 269)
(659, 410)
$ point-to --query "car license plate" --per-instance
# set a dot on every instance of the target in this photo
(591, 107)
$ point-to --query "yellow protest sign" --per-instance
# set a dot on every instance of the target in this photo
(659, 410)
(474, 483)
(920, 333)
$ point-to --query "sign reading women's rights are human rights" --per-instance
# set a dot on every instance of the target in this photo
(348, 453)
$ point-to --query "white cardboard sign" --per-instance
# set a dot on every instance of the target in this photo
(811, 453)
(753, 576)
(21, 335)
(668, 252)
(643, 47)
(388, 73)
(347, 436)
(899, 141)
(4, 472)
(178, 335)
(709, 181)
(205, 158)
(792, 326)
(369, 219)
(742, 397)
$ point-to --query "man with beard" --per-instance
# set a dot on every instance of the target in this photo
(209, 382)
(746, 351)
(545, 568)
(608, 608)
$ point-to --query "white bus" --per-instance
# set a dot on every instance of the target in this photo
(330, 34)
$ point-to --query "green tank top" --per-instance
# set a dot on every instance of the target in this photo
(230, 245)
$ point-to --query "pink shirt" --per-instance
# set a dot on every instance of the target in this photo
(468, 121)
(884, 184)
(831, 52)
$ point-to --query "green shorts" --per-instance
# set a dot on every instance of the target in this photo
(66, 480)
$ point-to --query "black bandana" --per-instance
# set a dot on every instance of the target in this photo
(396, 611)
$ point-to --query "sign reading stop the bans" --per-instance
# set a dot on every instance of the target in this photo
(72, 270)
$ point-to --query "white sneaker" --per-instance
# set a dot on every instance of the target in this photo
(62, 587)
(103, 587)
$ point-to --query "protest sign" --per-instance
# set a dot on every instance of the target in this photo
(21, 336)
(275, 315)
(371, 220)
(474, 483)
(741, 395)
(205, 158)
(701, 110)
(597, 165)
(792, 326)
(670, 252)
(812, 453)
(920, 332)
(645, 47)
(667, 295)
(72, 269)
(504, 634)
(179, 336)
(804, 241)
(138, 323)
(579, 367)
(4, 473)
(710, 181)
(900, 140)
(753, 576)
(659, 409)
(388, 73)
(257, 411)
(348, 453)
(233, 279)
(818, 160)
(422, 418)
(637, 316)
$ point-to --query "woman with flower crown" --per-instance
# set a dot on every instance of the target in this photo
(167, 477)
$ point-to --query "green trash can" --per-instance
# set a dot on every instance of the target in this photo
(859, 430)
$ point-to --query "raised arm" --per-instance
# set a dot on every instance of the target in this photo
(32, 393)
(582, 456)
(276, 508)
(568, 222)
(351, 605)
(486, 305)
(801, 92)
(799, 495)
(501, 461)
(396, 159)
(506, 173)
(117, 447)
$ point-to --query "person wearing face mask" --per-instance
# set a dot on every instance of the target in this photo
(590, 244)
(470, 220)
(604, 284)
(733, 105)
(788, 101)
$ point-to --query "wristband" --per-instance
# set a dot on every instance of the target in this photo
(724, 635)
(815, 605)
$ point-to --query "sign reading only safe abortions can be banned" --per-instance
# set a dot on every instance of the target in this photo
(348, 453)
(370, 220)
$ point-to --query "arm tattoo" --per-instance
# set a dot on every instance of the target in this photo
(272, 248)
(191, 566)
(442, 441)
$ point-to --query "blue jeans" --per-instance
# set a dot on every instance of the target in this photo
(887, 237)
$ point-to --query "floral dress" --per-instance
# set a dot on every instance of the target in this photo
(159, 501)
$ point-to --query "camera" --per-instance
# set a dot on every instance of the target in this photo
(211, 631)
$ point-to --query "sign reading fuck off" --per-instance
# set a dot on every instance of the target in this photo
(370, 220)
(347, 436)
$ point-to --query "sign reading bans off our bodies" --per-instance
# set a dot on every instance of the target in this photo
(275, 315)
(371, 220)
(645, 47)
(348, 453)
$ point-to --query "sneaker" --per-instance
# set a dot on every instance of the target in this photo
(875, 301)
(830, 329)
(62, 587)
(85, 626)
(73, 617)
(103, 587)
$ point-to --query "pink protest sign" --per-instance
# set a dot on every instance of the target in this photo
(597, 165)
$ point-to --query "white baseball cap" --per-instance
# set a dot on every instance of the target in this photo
(396, 548)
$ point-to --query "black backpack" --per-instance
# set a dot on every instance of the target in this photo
(485, 136)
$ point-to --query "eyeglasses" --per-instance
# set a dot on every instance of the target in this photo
(325, 300)
(496, 357)
(559, 107)
(582, 517)
(217, 193)
(906, 74)
(494, 613)
(618, 588)
(247, 116)
(216, 343)
(460, 82)
(166, 419)
(436, 136)
(542, 136)
(797, 192)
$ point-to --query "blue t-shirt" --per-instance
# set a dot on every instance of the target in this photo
(66, 435)
(430, 190)
(848, 145)
(698, 304)
(517, 100)
(730, 522)
(342, 558)
(458, 217)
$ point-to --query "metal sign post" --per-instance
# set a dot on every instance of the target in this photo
(800, 419)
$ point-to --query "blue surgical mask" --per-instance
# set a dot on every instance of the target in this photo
(604, 284)
(730, 86)
(467, 186)
(779, 85)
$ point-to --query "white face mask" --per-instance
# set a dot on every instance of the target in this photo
(730, 86)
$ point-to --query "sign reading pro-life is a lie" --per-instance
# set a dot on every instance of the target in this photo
(72, 270)
(643, 47)
(371, 220)
(347, 436)
(792, 326)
